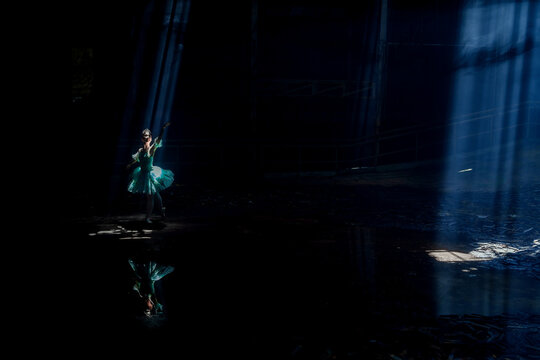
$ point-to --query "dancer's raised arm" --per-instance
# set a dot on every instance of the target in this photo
(158, 139)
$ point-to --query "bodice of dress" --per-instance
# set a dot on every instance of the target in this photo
(146, 161)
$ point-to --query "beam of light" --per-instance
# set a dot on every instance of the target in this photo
(167, 63)
(495, 87)
(366, 106)
(148, 105)
(171, 68)
(159, 69)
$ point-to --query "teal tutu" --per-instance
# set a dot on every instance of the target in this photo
(150, 182)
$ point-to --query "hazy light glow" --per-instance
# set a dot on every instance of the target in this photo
(495, 81)
(494, 97)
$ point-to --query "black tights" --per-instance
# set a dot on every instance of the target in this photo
(150, 204)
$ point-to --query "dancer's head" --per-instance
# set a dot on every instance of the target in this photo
(146, 135)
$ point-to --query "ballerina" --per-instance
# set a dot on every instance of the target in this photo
(147, 178)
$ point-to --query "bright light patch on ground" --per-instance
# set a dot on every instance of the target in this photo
(128, 234)
(454, 256)
(134, 237)
(493, 250)
(464, 170)
(483, 252)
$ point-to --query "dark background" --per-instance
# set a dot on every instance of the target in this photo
(303, 87)
(239, 107)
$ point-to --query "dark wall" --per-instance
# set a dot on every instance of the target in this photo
(300, 89)
(419, 69)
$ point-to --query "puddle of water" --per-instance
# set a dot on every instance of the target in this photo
(306, 275)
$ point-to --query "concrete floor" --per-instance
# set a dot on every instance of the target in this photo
(355, 266)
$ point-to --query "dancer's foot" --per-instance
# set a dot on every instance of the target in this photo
(148, 220)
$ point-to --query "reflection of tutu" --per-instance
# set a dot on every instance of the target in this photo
(150, 182)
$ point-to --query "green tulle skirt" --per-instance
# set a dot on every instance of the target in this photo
(150, 182)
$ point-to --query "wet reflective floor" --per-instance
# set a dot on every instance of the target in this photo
(264, 287)
(297, 281)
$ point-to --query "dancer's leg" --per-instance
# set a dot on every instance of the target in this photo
(160, 205)
(149, 206)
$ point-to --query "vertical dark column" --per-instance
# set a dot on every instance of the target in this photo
(253, 85)
(381, 68)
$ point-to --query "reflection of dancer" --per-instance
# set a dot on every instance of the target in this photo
(147, 274)
(149, 179)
